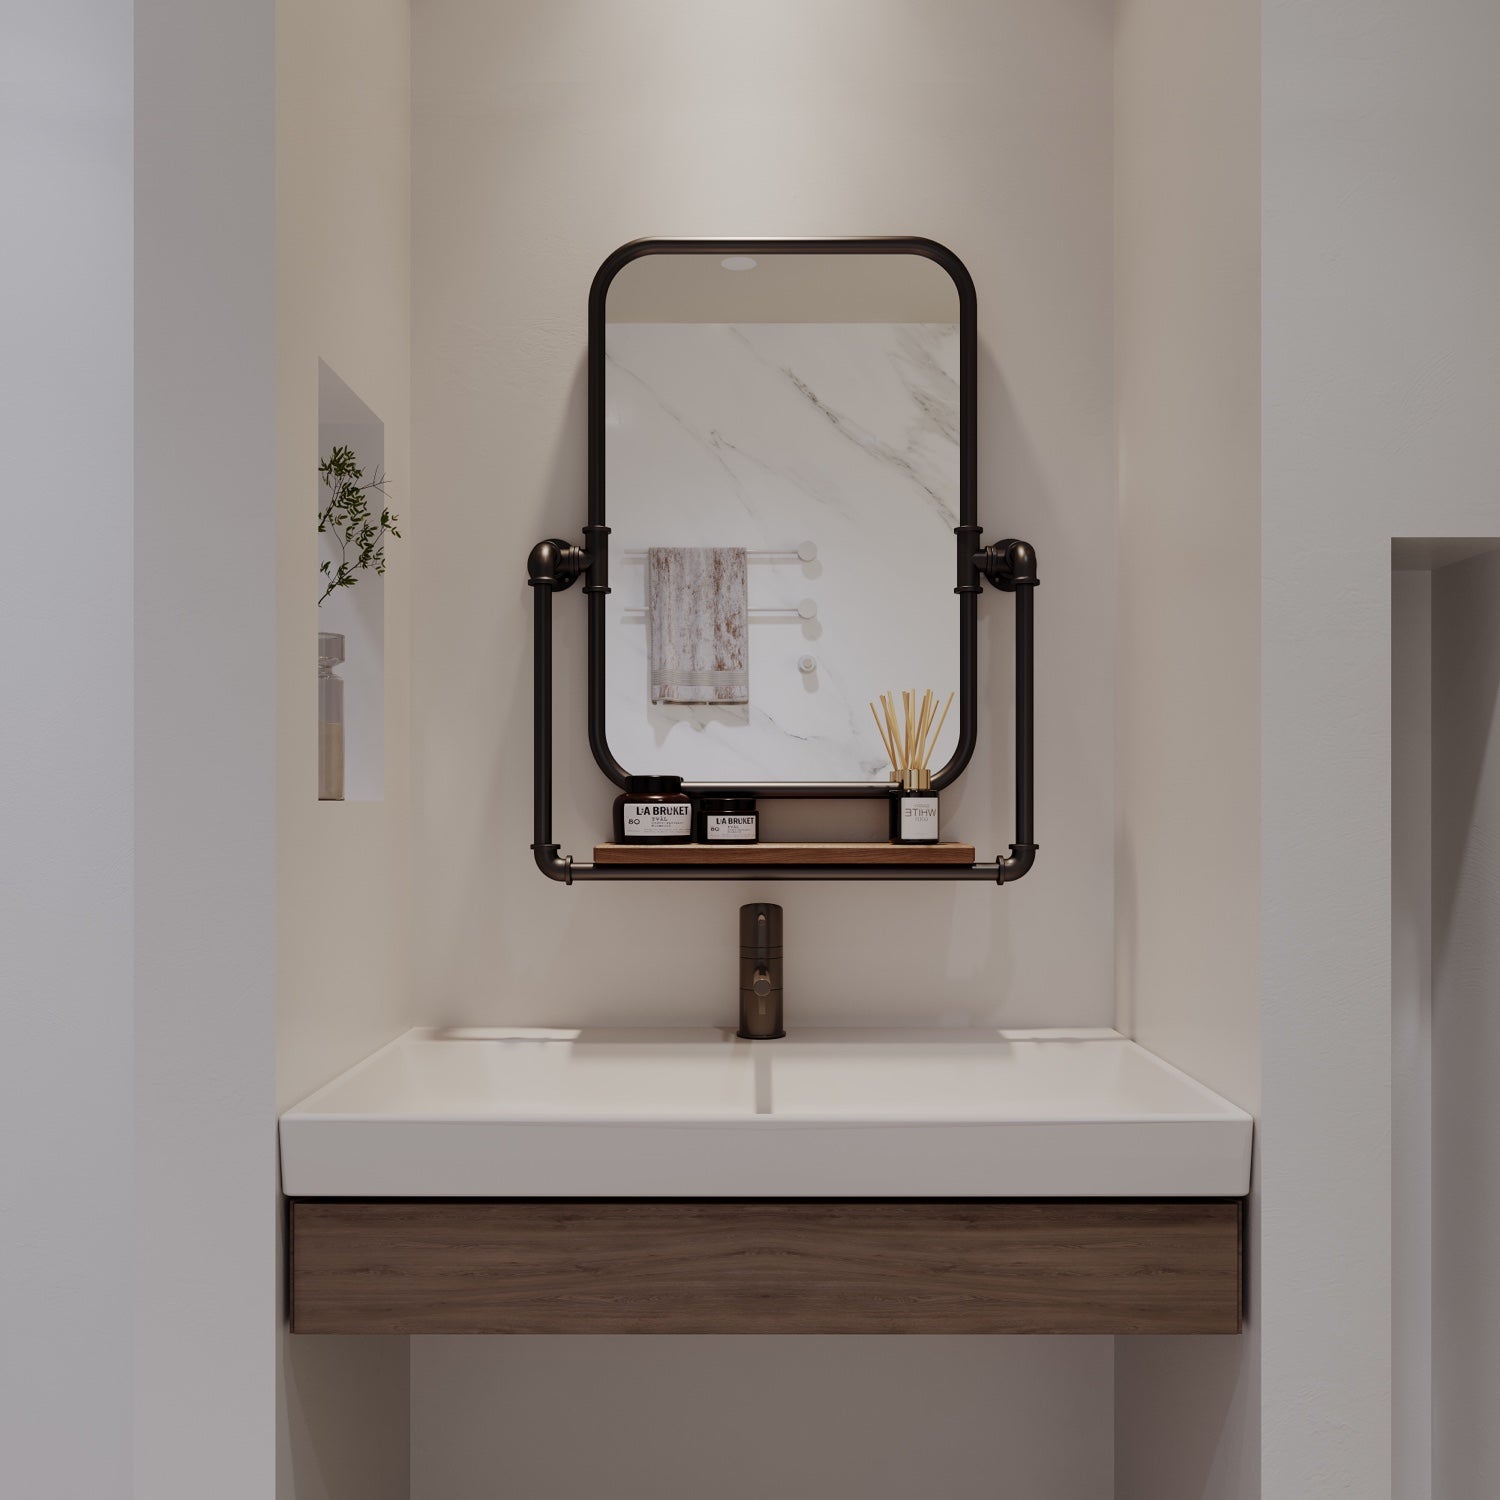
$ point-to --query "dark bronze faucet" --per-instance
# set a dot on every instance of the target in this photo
(760, 972)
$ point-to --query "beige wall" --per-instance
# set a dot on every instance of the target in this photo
(343, 296)
(1187, 204)
(799, 1418)
(546, 134)
(1187, 319)
(343, 869)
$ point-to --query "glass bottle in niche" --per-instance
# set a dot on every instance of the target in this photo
(914, 809)
(330, 718)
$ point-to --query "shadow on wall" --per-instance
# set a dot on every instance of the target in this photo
(683, 1418)
(327, 1391)
(1465, 975)
(1213, 1446)
(1127, 925)
(329, 1447)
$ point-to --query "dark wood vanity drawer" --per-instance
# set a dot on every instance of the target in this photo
(766, 1266)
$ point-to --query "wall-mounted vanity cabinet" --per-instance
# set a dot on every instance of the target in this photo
(783, 526)
(766, 1266)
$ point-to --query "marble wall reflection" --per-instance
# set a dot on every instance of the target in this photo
(764, 436)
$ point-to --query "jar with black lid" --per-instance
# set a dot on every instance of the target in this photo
(728, 820)
(653, 810)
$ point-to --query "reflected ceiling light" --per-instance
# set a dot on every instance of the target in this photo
(738, 262)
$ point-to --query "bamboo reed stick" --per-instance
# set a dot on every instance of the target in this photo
(887, 703)
(942, 719)
(923, 724)
(910, 736)
(890, 749)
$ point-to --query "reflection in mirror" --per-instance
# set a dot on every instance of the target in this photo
(782, 478)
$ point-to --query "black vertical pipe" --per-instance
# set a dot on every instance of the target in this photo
(968, 689)
(1025, 735)
(542, 846)
(596, 694)
(541, 714)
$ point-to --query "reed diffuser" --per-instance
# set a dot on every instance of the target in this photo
(909, 744)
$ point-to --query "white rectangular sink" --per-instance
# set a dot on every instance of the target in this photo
(820, 1113)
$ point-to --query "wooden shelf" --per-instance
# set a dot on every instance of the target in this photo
(849, 1266)
(784, 854)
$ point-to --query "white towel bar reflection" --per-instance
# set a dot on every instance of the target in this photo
(803, 552)
(804, 609)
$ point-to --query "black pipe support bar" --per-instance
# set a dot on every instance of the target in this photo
(968, 559)
(596, 549)
(555, 565)
(548, 858)
(562, 867)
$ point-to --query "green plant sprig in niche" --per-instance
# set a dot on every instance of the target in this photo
(348, 517)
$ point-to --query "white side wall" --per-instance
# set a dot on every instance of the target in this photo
(205, 695)
(1381, 373)
(1187, 319)
(343, 868)
(1465, 1026)
(66, 753)
(546, 135)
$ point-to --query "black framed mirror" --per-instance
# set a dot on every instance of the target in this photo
(782, 447)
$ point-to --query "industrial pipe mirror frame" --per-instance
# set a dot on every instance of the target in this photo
(1009, 565)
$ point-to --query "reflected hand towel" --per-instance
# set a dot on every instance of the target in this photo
(697, 608)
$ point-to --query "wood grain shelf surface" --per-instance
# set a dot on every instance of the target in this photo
(844, 1266)
(784, 854)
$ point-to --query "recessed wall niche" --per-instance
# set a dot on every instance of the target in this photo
(358, 613)
(1445, 970)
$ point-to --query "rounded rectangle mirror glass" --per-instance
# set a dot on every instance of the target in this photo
(781, 445)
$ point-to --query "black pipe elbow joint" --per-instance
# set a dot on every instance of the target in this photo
(555, 565)
(553, 863)
(1008, 565)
